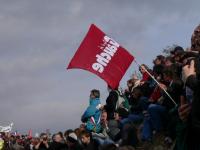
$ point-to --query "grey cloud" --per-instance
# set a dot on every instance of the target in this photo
(38, 39)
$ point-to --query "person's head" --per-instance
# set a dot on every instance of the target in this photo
(160, 59)
(94, 94)
(72, 138)
(169, 61)
(85, 137)
(35, 140)
(67, 132)
(130, 83)
(104, 116)
(58, 138)
(43, 137)
(61, 134)
(168, 74)
(142, 68)
(136, 93)
(158, 71)
(116, 116)
(177, 50)
(195, 39)
(177, 53)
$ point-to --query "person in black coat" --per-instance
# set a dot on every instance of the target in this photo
(193, 82)
(111, 101)
(191, 72)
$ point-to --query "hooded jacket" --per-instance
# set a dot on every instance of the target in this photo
(92, 116)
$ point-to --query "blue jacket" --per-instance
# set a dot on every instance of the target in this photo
(92, 112)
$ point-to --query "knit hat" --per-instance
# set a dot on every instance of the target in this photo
(72, 137)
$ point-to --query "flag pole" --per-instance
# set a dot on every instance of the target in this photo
(157, 83)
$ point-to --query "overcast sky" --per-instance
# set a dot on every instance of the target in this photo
(38, 38)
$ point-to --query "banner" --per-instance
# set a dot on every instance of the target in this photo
(103, 56)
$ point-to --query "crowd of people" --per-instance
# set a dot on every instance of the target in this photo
(162, 103)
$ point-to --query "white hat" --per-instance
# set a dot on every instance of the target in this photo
(73, 136)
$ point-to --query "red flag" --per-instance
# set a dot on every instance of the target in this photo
(102, 56)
